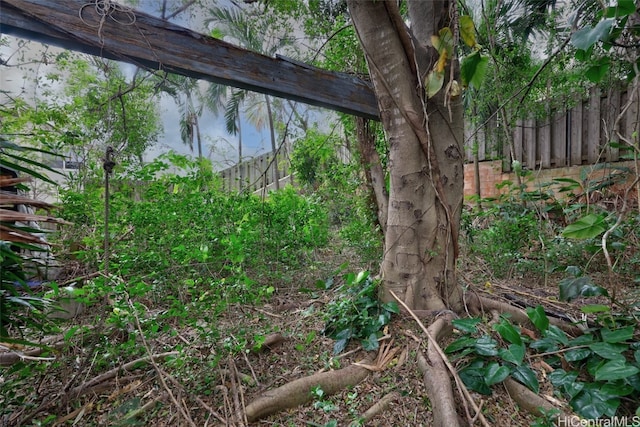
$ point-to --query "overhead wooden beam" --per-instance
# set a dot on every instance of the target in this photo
(141, 39)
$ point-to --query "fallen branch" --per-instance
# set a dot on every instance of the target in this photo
(297, 392)
(161, 374)
(77, 391)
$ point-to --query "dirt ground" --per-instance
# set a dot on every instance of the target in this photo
(206, 386)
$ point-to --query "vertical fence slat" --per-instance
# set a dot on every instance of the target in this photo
(469, 141)
(518, 136)
(575, 134)
(506, 156)
(593, 127)
(544, 143)
(530, 143)
(632, 119)
(482, 143)
(559, 138)
(611, 107)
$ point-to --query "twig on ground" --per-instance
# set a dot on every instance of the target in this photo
(76, 391)
(238, 393)
(278, 316)
(380, 406)
(147, 406)
(210, 410)
(77, 414)
(253, 373)
(160, 372)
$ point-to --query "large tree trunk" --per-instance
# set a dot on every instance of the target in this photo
(425, 153)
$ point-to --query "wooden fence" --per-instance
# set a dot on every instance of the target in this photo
(577, 136)
(257, 173)
(260, 172)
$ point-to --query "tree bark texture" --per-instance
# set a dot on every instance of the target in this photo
(373, 170)
(425, 152)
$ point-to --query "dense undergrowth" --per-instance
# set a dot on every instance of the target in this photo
(182, 254)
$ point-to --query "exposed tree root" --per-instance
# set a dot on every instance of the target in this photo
(379, 406)
(464, 392)
(299, 391)
(479, 304)
(437, 380)
(531, 402)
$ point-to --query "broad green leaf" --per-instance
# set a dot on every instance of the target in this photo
(556, 334)
(473, 378)
(434, 82)
(567, 184)
(526, 376)
(371, 343)
(468, 325)
(467, 30)
(617, 335)
(495, 373)
(596, 73)
(616, 369)
(592, 404)
(573, 389)
(473, 68)
(586, 37)
(616, 388)
(443, 42)
(486, 346)
(538, 317)
(391, 307)
(577, 354)
(583, 55)
(587, 227)
(624, 8)
(608, 351)
(560, 378)
(340, 345)
(514, 354)
(581, 340)
(508, 332)
(573, 287)
(362, 276)
(459, 344)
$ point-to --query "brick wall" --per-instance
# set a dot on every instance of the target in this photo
(491, 174)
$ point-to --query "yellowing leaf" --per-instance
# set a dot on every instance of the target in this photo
(453, 89)
(435, 41)
(468, 31)
(442, 62)
(443, 42)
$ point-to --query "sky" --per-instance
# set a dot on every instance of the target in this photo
(217, 143)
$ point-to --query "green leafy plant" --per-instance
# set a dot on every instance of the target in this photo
(356, 312)
(596, 372)
(21, 242)
(491, 361)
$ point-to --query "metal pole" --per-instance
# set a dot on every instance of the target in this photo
(108, 165)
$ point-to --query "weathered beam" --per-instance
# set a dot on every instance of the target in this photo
(141, 39)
